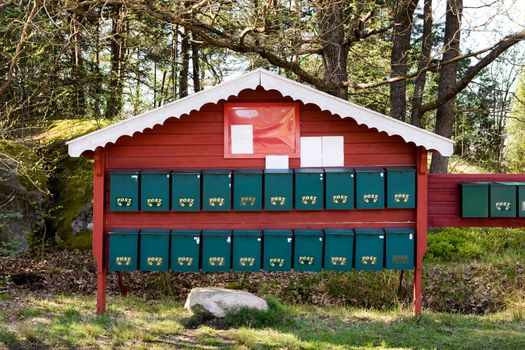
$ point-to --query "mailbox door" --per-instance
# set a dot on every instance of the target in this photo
(369, 248)
(370, 188)
(123, 250)
(475, 200)
(154, 191)
(247, 190)
(278, 189)
(247, 246)
(308, 255)
(339, 188)
(521, 199)
(124, 191)
(216, 190)
(154, 250)
(401, 187)
(503, 199)
(185, 250)
(277, 251)
(400, 248)
(309, 189)
(216, 250)
(185, 190)
(339, 249)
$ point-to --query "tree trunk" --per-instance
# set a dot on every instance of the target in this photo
(174, 63)
(195, 65)
(117, 46)
(447, 80)
(426, 47)
(335, 51)
(185, 64)
(78, 68)
(399, 56)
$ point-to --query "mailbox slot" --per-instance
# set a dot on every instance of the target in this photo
(277, 250)
(216, 190)
(339, 188)
(123, 250)
(247, 190)
(216, 250)
(154, 190)
(247, 245)
(369, 249)
(309, 189)
(339, 249)
(154, 250)
(185, 190)
(308, 250)
(124, 190)
(278, 189)
(370, 188)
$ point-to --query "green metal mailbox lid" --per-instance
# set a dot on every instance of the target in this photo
(278, 171)
(216, 172)
(277, 232)
(475, 184)
(403, 231)
(250, 233)
(154, 232)
(339, 170)
(309, 170)
(186, 172)
(124, 172)
(185, 232)
(216, 232)
(308, 232)
(339, 231)
(401, 169)
(369, 170)
(369, 231)
(123, 232)
(248, 171)
(155, 172)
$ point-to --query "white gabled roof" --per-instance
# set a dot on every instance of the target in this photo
(269, 81)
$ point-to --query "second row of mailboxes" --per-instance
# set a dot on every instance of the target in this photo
(313, 187)
(251, 250)
(492, 199)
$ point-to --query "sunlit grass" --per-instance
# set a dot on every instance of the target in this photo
(64, 321)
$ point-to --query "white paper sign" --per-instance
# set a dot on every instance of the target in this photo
(311, 152)
(333, 151)
(277, 162)
(242, 139)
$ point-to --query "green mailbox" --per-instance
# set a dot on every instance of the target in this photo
(475, 199)
(247, 190)
(369, 248)
(186, 190)
(339, 188)
(308, 250)
(400, 248)
(503, 196)
(401, 188)
(521, 199)
(185, 250)
(370, 188)
(309, 189)
(154, 250)
(124, 190)
(338, 249)
(216, 250)
(155, 190)
(247, 245)
(277, 251)
(216, 190)
(278, 189)
(123, 250)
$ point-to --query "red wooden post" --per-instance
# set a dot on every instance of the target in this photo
(421, 226)
(98, 227)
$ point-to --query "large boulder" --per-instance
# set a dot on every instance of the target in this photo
(217, 302)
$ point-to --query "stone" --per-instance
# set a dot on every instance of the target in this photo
(217, 302)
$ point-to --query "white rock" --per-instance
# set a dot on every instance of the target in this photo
(220, 301)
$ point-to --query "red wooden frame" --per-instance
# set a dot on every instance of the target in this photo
(227, 125)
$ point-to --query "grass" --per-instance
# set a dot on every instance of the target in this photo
(30, 321)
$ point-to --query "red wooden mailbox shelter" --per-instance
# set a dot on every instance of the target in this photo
(243, 124)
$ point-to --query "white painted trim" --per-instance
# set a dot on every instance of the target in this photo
(269, 81)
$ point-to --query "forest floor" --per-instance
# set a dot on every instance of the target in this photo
(31, 320)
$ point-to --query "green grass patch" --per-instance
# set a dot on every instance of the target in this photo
(63, 321)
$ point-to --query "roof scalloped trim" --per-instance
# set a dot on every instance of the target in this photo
(268, 81)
